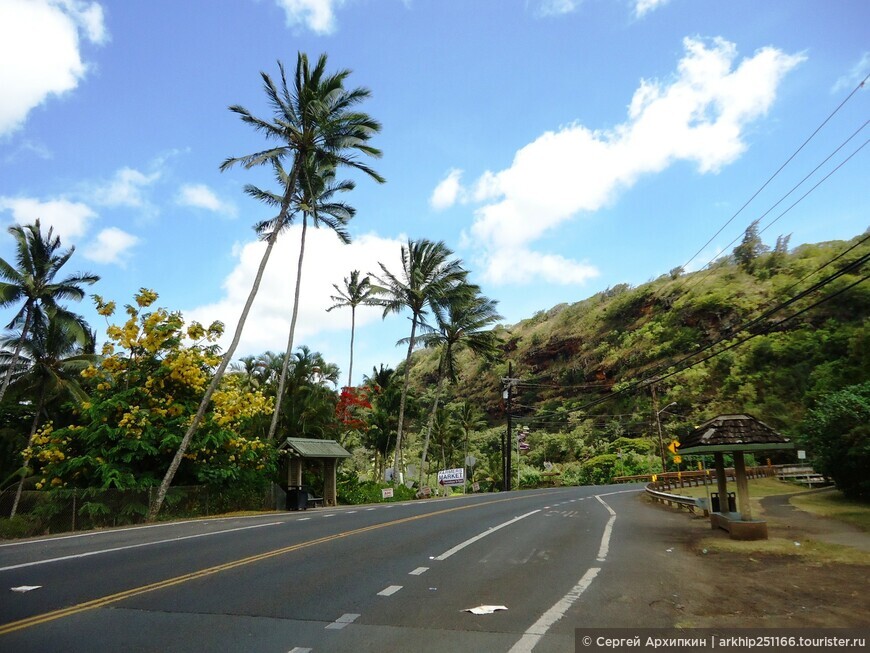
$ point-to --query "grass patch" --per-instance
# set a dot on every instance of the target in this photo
(833, 504)
(758, 488)
(809, 550)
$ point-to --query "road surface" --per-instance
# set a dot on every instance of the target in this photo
(390, 577)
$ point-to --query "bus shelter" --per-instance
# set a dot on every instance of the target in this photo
(737, 435)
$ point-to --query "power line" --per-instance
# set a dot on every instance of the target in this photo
(703, 275)
(657, 378)
(780, 169)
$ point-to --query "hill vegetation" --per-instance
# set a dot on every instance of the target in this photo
(769, 333)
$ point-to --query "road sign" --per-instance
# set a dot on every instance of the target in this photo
(475, 487)
(470, 461)
(387, 493)
(451, 476)
(678, 459)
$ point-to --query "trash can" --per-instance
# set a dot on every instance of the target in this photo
(297, 497)
(714, 502)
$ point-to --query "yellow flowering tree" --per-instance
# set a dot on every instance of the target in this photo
(143, 395)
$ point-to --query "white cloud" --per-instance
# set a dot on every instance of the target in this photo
(269, 322)
(125, 188)
(69, 219)
(202, 197)
(316, 15)
(110, 246)
(855, 76)
(447, 192)
(699, 115)
(643, 7)
(40, 54)
(556, 7)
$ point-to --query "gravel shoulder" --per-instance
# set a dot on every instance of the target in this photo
(692, 576)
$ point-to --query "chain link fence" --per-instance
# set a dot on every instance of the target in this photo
(64, 510)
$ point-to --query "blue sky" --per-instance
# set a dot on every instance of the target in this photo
(557, 146)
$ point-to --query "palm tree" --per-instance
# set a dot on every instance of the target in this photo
(463, 319)
(469, 418)
(356, 291)
(314, 123)
(318, 189)
(39, 261)
(51, 360)
(428, 273)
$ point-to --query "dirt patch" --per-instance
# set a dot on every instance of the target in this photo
(751, 587)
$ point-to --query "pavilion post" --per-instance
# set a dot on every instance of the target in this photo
(329, 481)
(743, 506)
(721, 480)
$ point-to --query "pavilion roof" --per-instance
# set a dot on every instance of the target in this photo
(728, 433)
(312, 448)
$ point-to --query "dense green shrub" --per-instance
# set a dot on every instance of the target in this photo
(20, 526)
(352, 491)
(837, 433)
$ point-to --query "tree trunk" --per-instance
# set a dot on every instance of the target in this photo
(397, 459)
(17, 353)
(286, 366)
(27, 462)
(200, 413)
(352, 329)
(431, 420)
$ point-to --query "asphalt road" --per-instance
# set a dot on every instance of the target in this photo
(391, 577)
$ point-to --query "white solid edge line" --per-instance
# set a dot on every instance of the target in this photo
(608, 529)
(133, 546)
(538, 629)
(480, 536)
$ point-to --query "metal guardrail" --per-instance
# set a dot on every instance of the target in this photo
(690, 503)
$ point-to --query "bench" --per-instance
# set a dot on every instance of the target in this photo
(313, 502)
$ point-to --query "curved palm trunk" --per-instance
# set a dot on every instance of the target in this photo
(27, 462)
(431, 420)
(397, 459)
(352, 329)
(219, 373)
(286, 366)
(16, 355)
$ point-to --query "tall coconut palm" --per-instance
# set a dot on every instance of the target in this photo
(39, 260)
(428, 273)
(356, 291)
(464, 318)
(50, 361)
(314, 122)
(317, 189)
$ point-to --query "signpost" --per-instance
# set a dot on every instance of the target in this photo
(387, 493)
(452, 476)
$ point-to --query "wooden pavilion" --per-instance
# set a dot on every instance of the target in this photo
(327, 452)
(737, 435)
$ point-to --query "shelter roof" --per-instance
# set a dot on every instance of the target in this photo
(727, 433)
(311, 448)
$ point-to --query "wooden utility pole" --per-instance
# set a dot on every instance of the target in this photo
(659, 427)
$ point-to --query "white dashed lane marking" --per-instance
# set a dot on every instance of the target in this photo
(343, 621)
(389, 591)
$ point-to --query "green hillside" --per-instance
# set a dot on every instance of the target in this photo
(763, 332)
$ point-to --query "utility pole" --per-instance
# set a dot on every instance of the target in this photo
(506, 442)
(658, 412)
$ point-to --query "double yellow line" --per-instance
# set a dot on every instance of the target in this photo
(46, 617)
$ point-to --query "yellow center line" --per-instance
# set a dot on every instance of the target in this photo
(46, 617)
